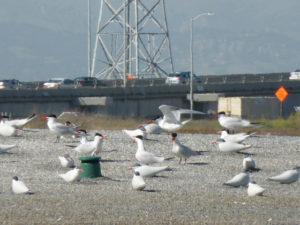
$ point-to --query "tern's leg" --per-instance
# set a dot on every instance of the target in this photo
(57, 139)
(184, 161)
(179, 161)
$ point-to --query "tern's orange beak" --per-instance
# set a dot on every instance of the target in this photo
(44, 118)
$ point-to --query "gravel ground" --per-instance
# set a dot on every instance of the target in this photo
(188, 194)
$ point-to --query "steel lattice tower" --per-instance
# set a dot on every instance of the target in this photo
(132, 38)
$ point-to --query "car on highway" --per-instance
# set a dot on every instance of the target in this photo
(10, 84)
(86, 82)
(180, 78)
(55, 83)
(295, 75)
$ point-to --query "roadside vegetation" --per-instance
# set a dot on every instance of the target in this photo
(288, 126)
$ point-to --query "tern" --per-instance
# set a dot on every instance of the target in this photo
(226, 146)
(237, 138)
(133, 133)
(234, 123)
(171, 117)
(72, 175)
(182, 151)
(18, 123)
(248, 163)
(254, 189)
(91, 147)
(138, 182)
(8, 131)
(287, 177)
(143, 156)
(58, 128)
(152, 128)
(83, 135)
(4, 148)
(149, 171)
(66, 161)
(18, 187)
(242, 179)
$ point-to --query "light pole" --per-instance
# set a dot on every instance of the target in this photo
(191, 56)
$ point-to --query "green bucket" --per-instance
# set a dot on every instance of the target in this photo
(91, 167)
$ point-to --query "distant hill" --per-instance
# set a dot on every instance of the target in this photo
(41, 38)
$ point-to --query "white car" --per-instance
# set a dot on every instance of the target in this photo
(58, 83)
(9, 84)
(295, 75)
(177, 78)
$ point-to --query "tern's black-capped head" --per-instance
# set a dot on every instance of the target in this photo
(174, 135)
(155, 118)
(52, 116)
(5, 117)
(137, 173)
(81, 131)
(222, 113)
(139, 137)
(68, 123)
(98, 134)
(15, 178)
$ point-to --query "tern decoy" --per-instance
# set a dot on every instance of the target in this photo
(18, 187)
(138, 182)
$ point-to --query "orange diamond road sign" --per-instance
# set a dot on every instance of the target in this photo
(281, 94)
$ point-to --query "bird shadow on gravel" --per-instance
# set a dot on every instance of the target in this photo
(114, 160)
(96, 181)
(152, 191)
(198, 163)
(6, 153)
(246, 153)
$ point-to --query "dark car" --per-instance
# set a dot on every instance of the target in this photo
(86, 82)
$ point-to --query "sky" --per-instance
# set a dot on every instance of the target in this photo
(41, 39)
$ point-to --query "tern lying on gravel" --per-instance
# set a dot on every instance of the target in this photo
(172, 115)
(226, 146)
(18, 123)
(182, 151)
(18, 187)
(138, 182)
(72, 175)
(234, 123)
(237, 138)
(287, 177)
(58, 128)
(66, 161)
(9, 131)
(4, 148)
(254, 189)
(144, 157)
(148, 171)
(242, 179)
